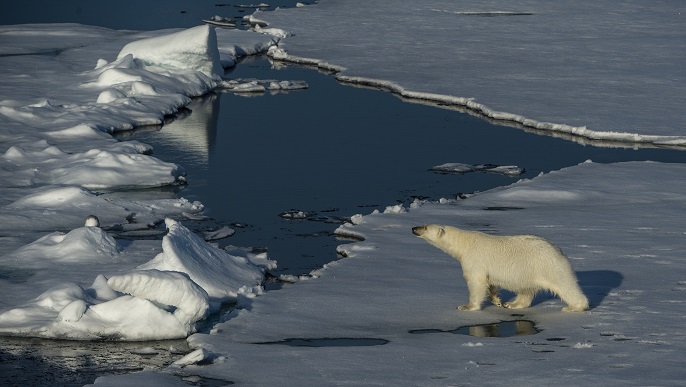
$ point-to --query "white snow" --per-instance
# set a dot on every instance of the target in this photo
(193, 49)
(161, 299)
(623, 236)
(219, 273)
(587, 68)
(64, 89)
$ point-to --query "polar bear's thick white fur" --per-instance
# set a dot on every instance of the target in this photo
(523, 264)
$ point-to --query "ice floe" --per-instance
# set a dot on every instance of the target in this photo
(586, 68)
(161, 299)
(460, 168)
(66, 89)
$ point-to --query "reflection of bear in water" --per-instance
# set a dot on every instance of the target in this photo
(523, 264)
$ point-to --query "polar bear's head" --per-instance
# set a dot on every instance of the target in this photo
(429, 232)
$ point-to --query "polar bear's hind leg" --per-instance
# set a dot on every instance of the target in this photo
(523, 300)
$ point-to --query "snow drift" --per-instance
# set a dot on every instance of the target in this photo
(162, 299)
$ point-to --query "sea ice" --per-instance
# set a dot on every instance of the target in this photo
(162, 299)
(549, 66)
(194, 49)
(219, 273)
(613, 227)
(510, 170)
(221, 233)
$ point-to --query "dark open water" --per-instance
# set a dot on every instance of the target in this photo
(331, 151)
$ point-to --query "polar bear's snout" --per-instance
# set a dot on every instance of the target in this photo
(429, 231)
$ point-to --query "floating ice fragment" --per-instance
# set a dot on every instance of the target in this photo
(221, 233)
(294, 214)
(194, 357)
(220, 21)
(261, 85)
(260, 5)
(460, 168)
(397, 209)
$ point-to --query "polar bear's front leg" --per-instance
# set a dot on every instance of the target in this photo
(493, 295)
(477, 294)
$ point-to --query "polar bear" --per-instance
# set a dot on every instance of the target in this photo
(523, 264)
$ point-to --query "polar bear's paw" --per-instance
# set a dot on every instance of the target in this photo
(493, 296)
(469, 307)
(514, 305)
(570, 308)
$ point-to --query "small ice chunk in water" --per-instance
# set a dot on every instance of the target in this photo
(294, 214)
(195, 357)
(461, 168)
(221, 233)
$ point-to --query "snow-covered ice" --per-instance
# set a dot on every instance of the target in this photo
(160, 299)
(213, 269)
(66, 88)
(623, 236)
(588, 68)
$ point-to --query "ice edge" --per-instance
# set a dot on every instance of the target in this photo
(471, 106)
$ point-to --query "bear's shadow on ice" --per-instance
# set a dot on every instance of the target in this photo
(596, 285)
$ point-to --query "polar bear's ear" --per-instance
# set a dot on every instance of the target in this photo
(441, 231)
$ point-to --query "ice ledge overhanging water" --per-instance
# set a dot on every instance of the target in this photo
(587, 70)
(472, 106)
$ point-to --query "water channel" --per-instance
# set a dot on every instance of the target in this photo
(333, 151)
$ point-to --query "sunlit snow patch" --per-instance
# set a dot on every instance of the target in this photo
(219, 273)
(117, 165)
(191, 49)
(162, 299)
